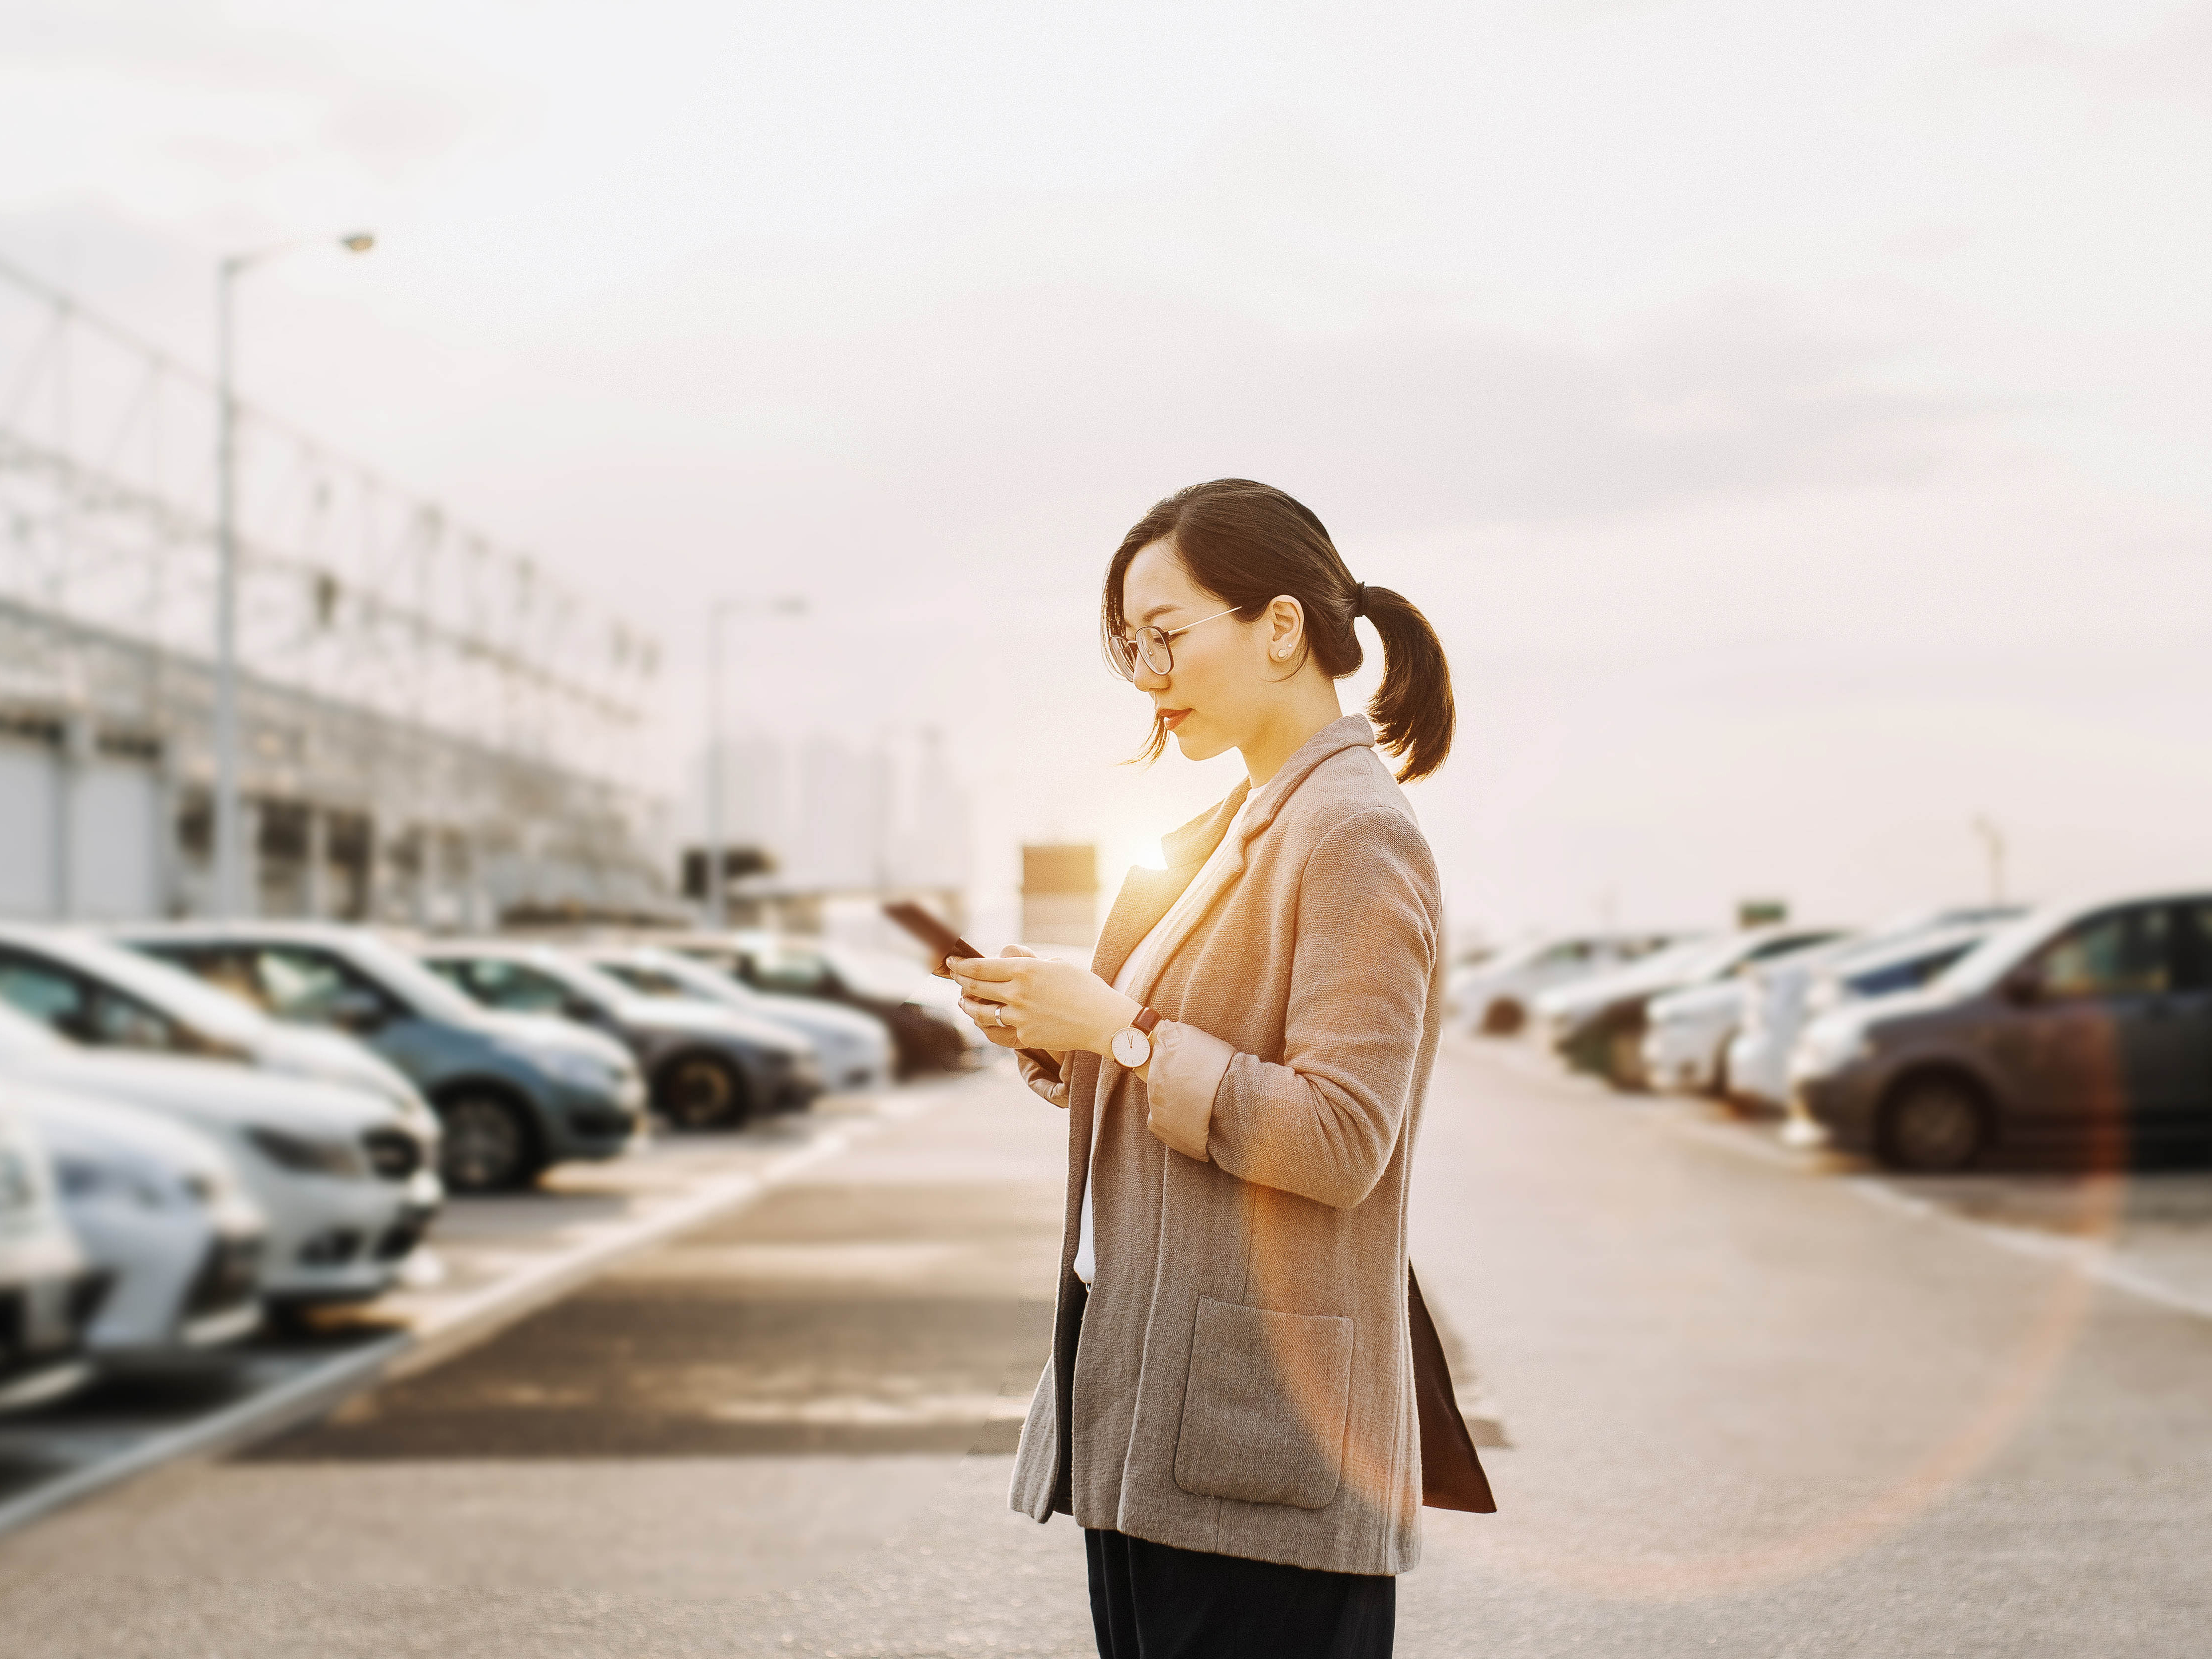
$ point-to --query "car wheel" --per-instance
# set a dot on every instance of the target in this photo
(698, 1091)
(487, 1147)
(1503, 1017)
(1934, 1127)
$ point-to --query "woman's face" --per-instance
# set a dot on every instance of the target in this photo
(1224, 679)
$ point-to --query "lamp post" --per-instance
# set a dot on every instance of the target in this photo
(1993, 847)
(229, 826)
(787, 604)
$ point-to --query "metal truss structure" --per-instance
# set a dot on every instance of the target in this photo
(400, 665)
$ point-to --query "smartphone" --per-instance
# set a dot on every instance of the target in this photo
(943, 942)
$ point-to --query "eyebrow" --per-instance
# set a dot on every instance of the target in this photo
(1156, 610)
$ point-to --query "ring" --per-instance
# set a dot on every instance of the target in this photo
(999, 1015)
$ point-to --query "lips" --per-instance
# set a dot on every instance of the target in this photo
(1171, 718)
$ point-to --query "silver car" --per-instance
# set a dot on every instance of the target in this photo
(346, 1183)
(158, 1208)
(48, 1290)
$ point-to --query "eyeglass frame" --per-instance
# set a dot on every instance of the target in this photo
(1117, 643)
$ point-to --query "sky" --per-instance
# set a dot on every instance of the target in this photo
(1791, 417)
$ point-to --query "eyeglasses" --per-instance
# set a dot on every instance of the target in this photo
(1150, 647)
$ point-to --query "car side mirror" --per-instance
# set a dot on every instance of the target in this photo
(2023, 986)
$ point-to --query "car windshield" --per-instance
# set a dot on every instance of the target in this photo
(1988, 962)
(676, 976)
(409, 980)
(22, 1037)
(188, 1000)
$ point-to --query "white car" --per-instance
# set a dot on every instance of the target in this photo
(855, 1050)
(349, 1183)
(104, 994)
(157, 1207)
(48, 1290)
(1494, 996)
(1687, 1033)
(1783, 999)
(1598, 1024)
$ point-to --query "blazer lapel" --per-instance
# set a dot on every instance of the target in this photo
(1148, 895)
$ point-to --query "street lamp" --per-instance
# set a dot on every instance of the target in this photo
(784, 605)
(230, 827)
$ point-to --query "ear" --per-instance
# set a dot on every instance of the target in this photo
(1287, 628)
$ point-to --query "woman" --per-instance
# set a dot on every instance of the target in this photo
(1229, 1409)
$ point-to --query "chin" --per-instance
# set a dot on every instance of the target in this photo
(1197, 745)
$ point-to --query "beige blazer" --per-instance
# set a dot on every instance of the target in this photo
(1243, 1383)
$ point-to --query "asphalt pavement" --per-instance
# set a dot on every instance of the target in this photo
(1756, 1405)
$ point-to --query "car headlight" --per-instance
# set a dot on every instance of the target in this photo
(581, 1071)
(305, 1156)
(86, 1178)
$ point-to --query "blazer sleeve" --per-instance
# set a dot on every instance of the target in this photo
(1323, 1121)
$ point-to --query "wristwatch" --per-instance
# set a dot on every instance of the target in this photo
(1133, 1043)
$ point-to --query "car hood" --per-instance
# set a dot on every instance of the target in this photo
(307, 1051)
(669, 1017)
(214, 1093)
(802, 1013)
(1697, 1001)
(71, 1121)
(538, 1034)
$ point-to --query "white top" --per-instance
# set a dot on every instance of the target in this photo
(1139, 968)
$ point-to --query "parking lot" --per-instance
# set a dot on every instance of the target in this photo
(1757, 1402)
(493, 1259)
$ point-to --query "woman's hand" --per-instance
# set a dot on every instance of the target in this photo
(1023, 1000)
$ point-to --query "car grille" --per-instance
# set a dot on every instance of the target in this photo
(392, 1153)
(226, 1277)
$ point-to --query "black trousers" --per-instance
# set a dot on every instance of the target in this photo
(1154, 1602)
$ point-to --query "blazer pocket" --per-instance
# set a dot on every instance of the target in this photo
(1263, 1412)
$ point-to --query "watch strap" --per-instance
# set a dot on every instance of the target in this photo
(1145, 1019)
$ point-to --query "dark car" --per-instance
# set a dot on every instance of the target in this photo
(706, 1067)
(2086, 1028)
(927, 1031)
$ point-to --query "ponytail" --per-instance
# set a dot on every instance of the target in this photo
(1413, 709)
(1251, 544)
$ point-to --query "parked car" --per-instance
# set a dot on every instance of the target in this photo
(706, 1065)
(49, 1293)
(157, 1207)
(2085, 1026)
(855, 1048)
(1493, 996)
(1780, 997)
(514, 1094)
(94, 991)
(344, 1179)
(1687, 1033)
(928, 1031)
(1597, 1024)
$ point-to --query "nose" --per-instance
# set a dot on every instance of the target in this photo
(1150, 679)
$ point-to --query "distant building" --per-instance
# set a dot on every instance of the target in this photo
(1059, 893)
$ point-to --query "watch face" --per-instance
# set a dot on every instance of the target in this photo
(1132, 1047)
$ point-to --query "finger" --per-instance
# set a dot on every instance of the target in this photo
(982, 1010)
(1018, 951)
(995, 968)
(1001, 1039)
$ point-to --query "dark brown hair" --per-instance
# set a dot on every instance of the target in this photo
(1249, 544)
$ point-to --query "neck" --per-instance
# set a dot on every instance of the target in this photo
(1310, 705)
